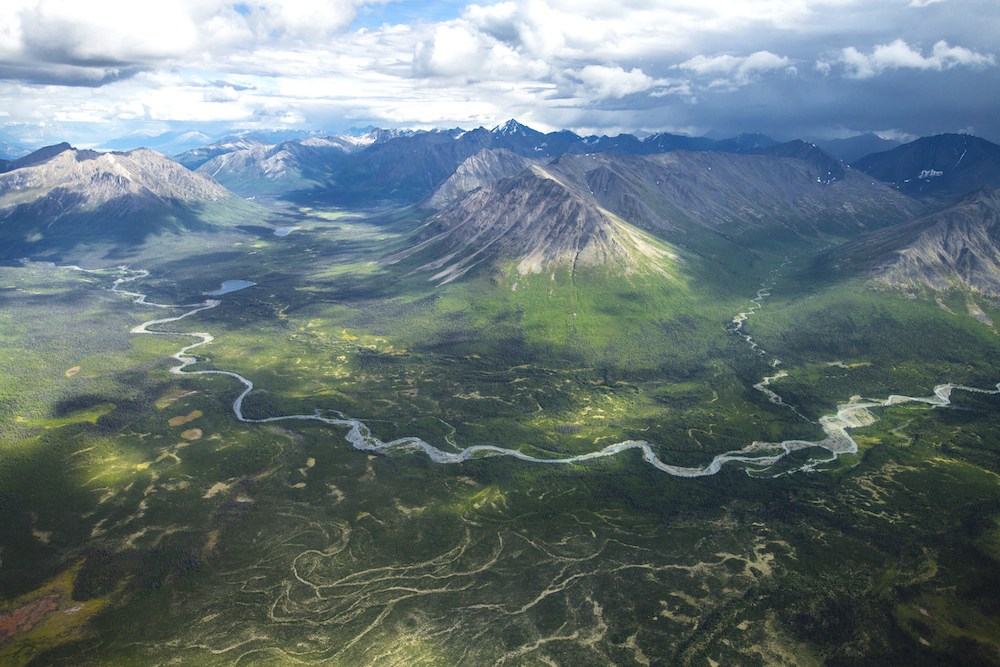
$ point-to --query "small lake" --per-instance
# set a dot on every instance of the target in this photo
(230, 286)
(284, 231)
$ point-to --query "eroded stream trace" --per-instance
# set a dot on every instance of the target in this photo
(759, 454)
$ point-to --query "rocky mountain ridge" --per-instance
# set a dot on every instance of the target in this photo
(59, 197)
(957, 247)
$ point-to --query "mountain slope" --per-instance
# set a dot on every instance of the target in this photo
(955, 247)
(536, 220)
(736, 194)
(60, 197)
(589, 207)
(485, 167)
(940, 167)
(196, 157)
(280, 168)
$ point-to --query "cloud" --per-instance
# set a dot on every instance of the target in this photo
(603, 82)
(683, 65)
(43, 41)
(736, 71)
(299, 19)
(900, 55)
(451, 51)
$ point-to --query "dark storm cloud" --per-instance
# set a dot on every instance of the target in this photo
(61, 74)
(918, 103)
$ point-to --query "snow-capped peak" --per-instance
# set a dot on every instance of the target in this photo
(512, 128)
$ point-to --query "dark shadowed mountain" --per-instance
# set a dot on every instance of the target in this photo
(58, 198)
(736, 193)
(827, 167)
(853, 149)
(43, 155)
(745, 143)
(958, 247)
(941, 167)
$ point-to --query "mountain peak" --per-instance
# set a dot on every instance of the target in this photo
(534, 221)
(38, 157)
(514, 128)
(59, 197)
(941, 167)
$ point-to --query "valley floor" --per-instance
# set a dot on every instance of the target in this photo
(145, 522)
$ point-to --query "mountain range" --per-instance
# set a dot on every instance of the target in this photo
(408, 167)
(571, 209)
(513, 194)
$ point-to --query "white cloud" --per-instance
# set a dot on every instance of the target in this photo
(111, 30)
(300, 19)
(735, 70)
(900, 55)
(612, 82)
(40, 39)
(451, 51)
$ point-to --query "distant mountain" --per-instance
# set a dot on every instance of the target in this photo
(276, 136)
(942, 167)
(853, 149)
(522, 139)
(513, 131)
(379, 136)
(11, 148)
(262, 169)
(535, 220)
(958, 247)
(58, 198)
(744, 143)
(623, 143)
(400, 166)
(11, 151)
(168, 143)
(410, 167)
(662, 142)
(196, 157)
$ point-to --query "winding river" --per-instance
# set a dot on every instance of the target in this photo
(837, 441)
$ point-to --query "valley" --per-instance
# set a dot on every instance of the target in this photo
(687, 430)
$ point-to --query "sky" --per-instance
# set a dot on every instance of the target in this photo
(87, 71)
